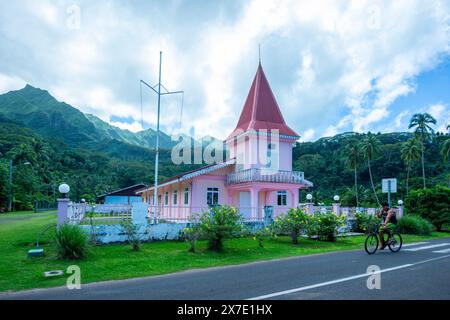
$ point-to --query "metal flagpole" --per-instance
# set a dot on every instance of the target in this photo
(158, 92)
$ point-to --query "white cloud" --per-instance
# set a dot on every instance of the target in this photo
(308, 135)
(133, 127)
(441, 112)
(333, 65)
(8, 83)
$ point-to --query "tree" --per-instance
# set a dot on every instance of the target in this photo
(422, 124)
(352, 154)
(410, 153)
(445, 147)
(370, 147)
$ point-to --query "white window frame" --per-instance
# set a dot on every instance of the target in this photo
(282, 195)
(214, 191)
(186, 196)
(175, 197)
(166, 198)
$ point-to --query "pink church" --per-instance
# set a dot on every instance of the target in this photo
(256, 174)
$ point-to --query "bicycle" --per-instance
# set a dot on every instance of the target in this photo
(394, 241)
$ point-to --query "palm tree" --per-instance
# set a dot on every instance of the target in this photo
(410, 153)
(370, 147)
(353, 156)
(422, 122)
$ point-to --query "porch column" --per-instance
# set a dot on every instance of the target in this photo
(294, 198)
(254, 202)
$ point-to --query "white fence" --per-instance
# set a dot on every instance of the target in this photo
(82, 213)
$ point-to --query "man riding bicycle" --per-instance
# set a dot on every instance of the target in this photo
(389, 220)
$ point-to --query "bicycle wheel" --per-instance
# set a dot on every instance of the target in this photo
(395, 243)
(371, 244)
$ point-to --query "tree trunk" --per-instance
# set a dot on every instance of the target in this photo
(356, 188)
(423, 166)
(371, 181)
(407, 180)
(294, 236)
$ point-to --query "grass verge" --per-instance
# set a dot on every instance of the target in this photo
(113, 262)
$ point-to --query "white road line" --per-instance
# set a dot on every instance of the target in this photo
(322, 284)
(428, 247)
(442, 251)
(413, 244)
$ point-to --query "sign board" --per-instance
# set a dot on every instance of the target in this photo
(387, 184)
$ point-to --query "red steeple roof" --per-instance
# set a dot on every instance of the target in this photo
(261, 110)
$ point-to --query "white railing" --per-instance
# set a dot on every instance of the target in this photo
(263, 175)
(82, 213)
(186, 213)
(76, 212)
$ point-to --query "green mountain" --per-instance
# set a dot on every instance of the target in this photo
(38, 110)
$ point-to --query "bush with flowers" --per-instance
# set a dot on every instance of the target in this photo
(294, 222)
(216, 225)
(324, 226)
(263, 234)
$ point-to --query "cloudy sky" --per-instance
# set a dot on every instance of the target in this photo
(334, 66)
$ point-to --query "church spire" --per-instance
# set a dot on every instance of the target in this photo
(261, 110)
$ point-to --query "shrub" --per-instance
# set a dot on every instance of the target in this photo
(131, 231)
(263, 234)
(191, 234)
(71, 242)
(413, 224)
(324, 226)
(220, 223)
(293, 222)
(365, 221)
(431, 204)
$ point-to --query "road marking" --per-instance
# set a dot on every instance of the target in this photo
(414, 244)
(428, 247)
(322, 284)
(442, 251)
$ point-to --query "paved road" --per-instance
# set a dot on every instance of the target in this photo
(419, 271)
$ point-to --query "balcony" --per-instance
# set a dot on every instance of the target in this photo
(263, 175)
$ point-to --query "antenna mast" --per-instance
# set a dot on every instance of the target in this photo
(158, 92)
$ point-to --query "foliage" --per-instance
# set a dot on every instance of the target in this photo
(432, 204)
(132, 232)
(116, 261)
(364, 221)
(294, 222)
(413, 224)
(263, 234)
(219, 224)
(71, 242)
(324, 226)
(191, 235)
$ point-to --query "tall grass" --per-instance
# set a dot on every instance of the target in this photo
(71, 242)
(412, 224)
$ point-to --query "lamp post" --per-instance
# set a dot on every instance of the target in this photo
(63, 204)
(309, 204)
(64, 189)
(10, 191)
(400, 208)
(336, 205)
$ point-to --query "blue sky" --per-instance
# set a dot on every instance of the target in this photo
(334, 66)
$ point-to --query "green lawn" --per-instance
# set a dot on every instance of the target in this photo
(18, 233)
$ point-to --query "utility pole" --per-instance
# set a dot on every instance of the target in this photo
(158, 92)
(10, 186)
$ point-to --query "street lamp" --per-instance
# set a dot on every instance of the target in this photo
(400, 202)
(10, 191)
(309, 197)
(64, 189)
(336, 198)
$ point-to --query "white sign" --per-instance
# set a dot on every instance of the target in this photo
(385, 185)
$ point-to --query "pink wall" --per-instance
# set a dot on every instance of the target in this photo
(250, 150)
